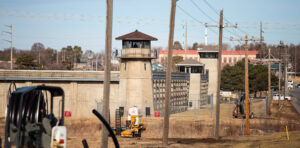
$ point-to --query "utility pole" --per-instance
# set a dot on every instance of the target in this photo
(185, 39)
(205, 36)
(11, 45)
(56, 57)
(284, 59)
(11, 48)
(279, 86)
(280, 66)
(106, 89)
(295, 62)
(246, 80)
(269, 81)
(285, 70)
(261, 45)
(217, 120)
(168, 74)
(97, 62)
(39, 56)
(62, 57)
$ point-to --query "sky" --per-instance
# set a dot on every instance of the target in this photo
(59, 23)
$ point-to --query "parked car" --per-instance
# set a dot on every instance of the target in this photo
(276, 97)
(297, 85)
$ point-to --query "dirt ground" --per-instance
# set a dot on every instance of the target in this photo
(195, 129)
(204, 138)
(274, 140)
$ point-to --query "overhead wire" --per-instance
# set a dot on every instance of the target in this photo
(195, 19)
(203, 12)
(190, 15)
(229, 22)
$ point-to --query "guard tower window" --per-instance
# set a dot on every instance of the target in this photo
(145, 44)
(181, 69)
(126, 44)
(135, 44)
(211, 55)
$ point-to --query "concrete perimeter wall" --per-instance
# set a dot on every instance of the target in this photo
(82, 89)
(80, 97)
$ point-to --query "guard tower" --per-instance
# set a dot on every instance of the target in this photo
(135, 87)
(209, 57)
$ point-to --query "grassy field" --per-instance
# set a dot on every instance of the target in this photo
(188, 130)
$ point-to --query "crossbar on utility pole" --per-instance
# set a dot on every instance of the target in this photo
(246, 80)
(217, 120)
(106, 89)
(168, 74)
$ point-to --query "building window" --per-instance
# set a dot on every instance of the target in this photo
(234, 59)
(181, 69)
(229, 60)
(190, 104)
(148, 111)
(125, 66)
(145, 66)
(225, 59)
(121, 109)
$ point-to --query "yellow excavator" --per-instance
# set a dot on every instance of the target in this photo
(134, 123)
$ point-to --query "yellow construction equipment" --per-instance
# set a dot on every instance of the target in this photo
(135, 124)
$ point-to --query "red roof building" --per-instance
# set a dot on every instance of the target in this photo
(230, 57)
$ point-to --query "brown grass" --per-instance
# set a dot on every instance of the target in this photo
(189, 131)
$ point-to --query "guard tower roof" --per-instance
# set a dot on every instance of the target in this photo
(136, 35)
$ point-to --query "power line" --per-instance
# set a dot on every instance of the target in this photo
(190, 15)
(214, 9)
(203, 12)
(184, 11)
(211, 7)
